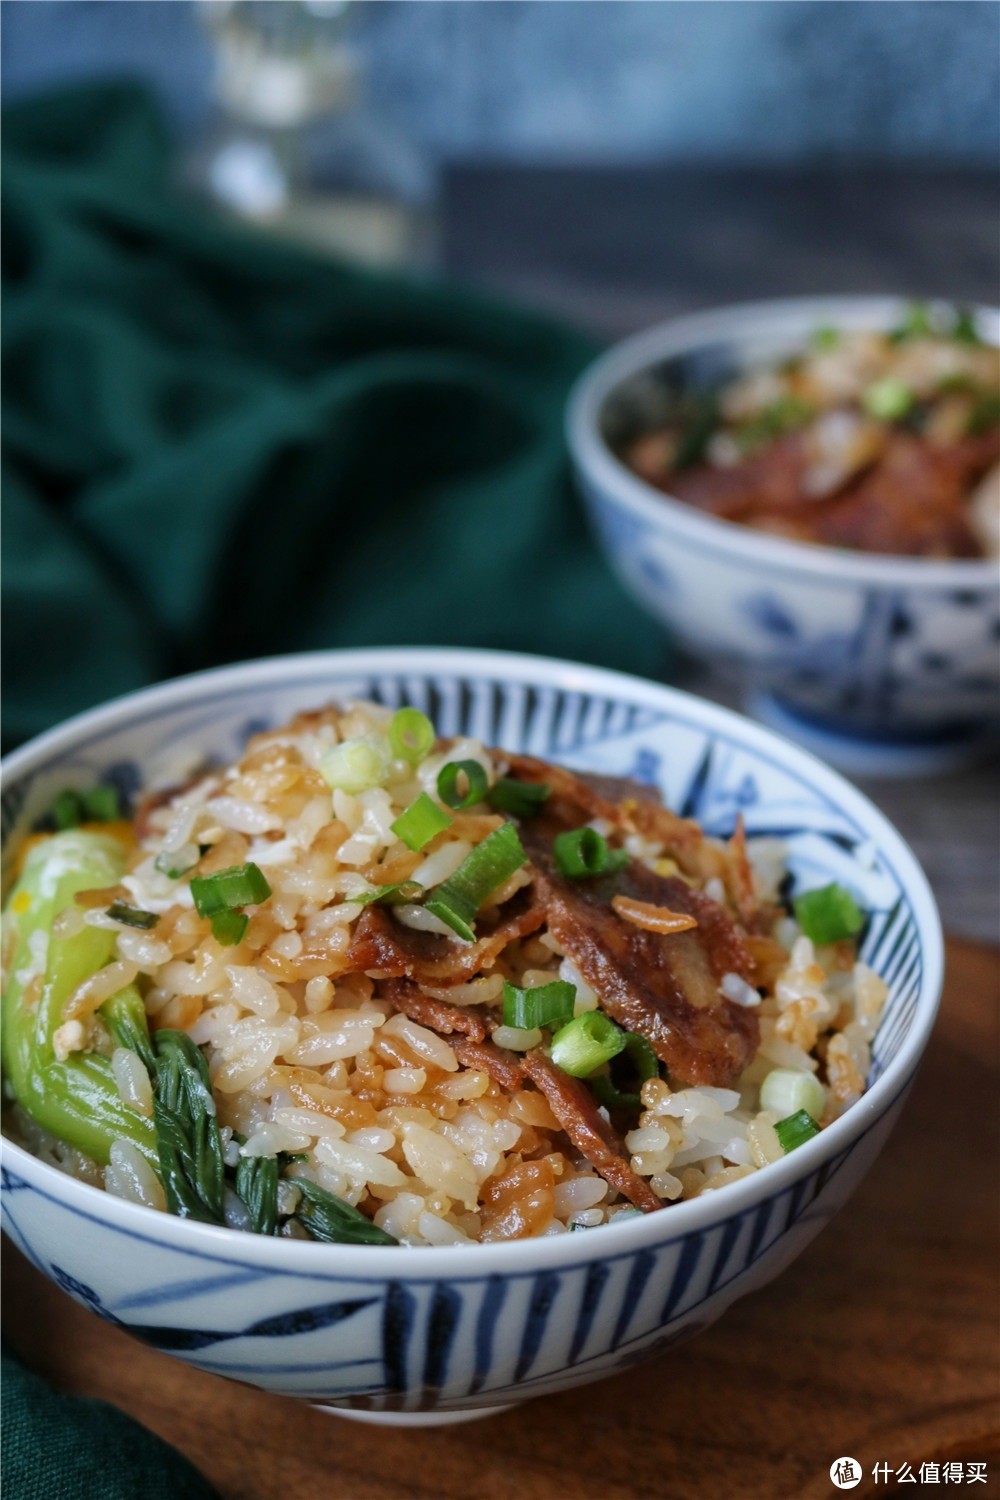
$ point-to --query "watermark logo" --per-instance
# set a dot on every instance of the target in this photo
(846, 1473)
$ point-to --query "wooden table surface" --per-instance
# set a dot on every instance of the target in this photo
(880, 1343)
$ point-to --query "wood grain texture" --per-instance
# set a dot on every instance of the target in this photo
(880, 1342)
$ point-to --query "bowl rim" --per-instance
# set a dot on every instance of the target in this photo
(518, 1257)
(684, 334)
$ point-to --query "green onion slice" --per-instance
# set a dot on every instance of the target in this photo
(391, 895)
(548, 1005)
(795, 1129)
(101, 804)
(229, 927)
(176, 862)
(486, 867)
(449, 784)
(522, 799)
(587, 1043)
(411, 735)
(420, 822)
(132, 916)
(240, 885)
(582, 852)
(829, 914)
(888, 399)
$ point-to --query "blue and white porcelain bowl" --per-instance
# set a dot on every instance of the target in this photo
(883, 663)
(439, 1334)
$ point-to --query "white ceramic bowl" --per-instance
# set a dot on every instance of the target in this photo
(890, 651)
(424, 1335)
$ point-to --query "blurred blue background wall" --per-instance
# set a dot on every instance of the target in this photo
(598, 81)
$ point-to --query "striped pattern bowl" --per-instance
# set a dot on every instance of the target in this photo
(432, 1335)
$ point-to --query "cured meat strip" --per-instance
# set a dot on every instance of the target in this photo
(666, 988)
(577, 799)
(575, 1108)
(503, 1067)
(383, 947)
(439, 1015)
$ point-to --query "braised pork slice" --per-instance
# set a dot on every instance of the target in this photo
(384, 948)
(575, 1107)
(665, 987)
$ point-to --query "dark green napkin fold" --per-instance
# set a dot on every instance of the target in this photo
(63, 1448)
(217, 447)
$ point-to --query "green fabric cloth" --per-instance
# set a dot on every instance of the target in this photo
(218, 447)
(64, 1448)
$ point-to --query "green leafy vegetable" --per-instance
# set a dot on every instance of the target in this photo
(187, 1132)
(330, 1219)
(391, 895)
(257, 1186)
(645, 1065)
(75, 1098)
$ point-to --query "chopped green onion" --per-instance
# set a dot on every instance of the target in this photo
(583, 852)
(888, 399)
(825, 339)
(964, 330)
(786, 1091)
(587, 1043)
(229, 927)
(420, 822)
(646, 1065)
(132, 916)
(67, 811)
(548, 1004)
(356, 765)
(176, 862)
(782, 416)
(411, 735)
(486, 867)
(522, 799)
(916, 324)
(449, 787)
(101, 804)
(392, 895)
(240, 885)
(795, 1130)
(829, 914)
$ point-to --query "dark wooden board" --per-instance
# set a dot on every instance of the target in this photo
(881, 1343)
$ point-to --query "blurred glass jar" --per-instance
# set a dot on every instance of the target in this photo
(294, 147)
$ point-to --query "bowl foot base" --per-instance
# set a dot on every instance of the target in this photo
(413, 1418)
(858, 754)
